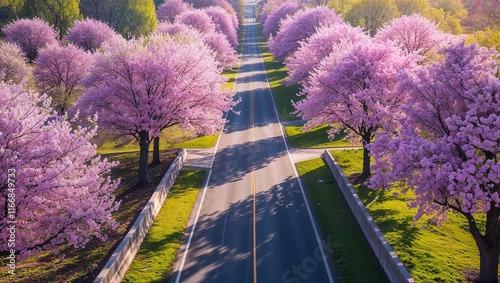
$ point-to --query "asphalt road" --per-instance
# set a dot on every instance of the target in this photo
(253, 220)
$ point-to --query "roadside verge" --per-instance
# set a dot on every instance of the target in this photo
(122, 257)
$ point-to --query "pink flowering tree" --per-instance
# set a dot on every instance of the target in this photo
(269, 7)
(223, 24)
(197, 19)
(358, 92)
(178, 29)
(447, 152)
(272, 24)
(141, 87)
(170, 9)
(13, 65)
(90, 34)
(60, 190)
(31, 35)
(224, 53)
(59, 70)
(312, 51)
(414, 34)
(299, 27)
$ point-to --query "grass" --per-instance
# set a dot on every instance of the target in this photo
(172, 137)
(276, 72)
(82, 264)
(316, 138)
(351, 255)
(444, 253)
(157, 253)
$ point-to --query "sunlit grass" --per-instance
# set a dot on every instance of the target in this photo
(435, 254)
(316, 138)
(157, 253)
(351, 255)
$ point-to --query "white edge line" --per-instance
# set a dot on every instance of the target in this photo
(184, 256)
(318, 238)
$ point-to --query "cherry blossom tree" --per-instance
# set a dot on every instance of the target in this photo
(299, 27)
(13, 66)
(223, 51)
(358, 92)
(90, 34)
(312, 51)
(30, 35)
(414, 34)
(144, 86)
(197, 19)
(59, 71)
(269, 7)
(447, 152)
(61, 191)
(179, 29)
(170, 9)
(223, 24)
(273, 21)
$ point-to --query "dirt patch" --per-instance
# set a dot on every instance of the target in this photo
(357, 179)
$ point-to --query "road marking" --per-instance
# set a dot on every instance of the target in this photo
(311, 217)
(252, 177)
(184, 256)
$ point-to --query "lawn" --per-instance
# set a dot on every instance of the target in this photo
(276, 72)
(316, 138)
(351, 255)
(444, 253)
(157, 253)
(84, 264)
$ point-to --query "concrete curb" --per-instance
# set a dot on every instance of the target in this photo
(122, 257)
(393, 267)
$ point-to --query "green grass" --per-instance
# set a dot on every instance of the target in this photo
(435, 254)
(157, 253)
(276, 72)
(172, 137)
(353, 259)
(316, 138)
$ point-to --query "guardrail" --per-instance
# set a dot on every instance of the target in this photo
(393, 267)
(122, 257)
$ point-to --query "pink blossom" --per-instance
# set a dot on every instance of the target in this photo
(299, 27)
(141, 87)
(272, 23)
(59, 71)
(357, 91)
(170, 9)
(30, 35)
(63, 194)
(414, 34)
(336, 37)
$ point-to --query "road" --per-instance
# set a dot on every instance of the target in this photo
(253, 222)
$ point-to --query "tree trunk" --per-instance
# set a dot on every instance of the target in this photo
(156, 151)
(366, 161)
(143, 158)
(488, 244)
(488, 272)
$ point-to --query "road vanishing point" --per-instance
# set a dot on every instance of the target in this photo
(253, 221)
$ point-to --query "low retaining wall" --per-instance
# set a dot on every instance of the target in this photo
(393, 267)
(120, 261)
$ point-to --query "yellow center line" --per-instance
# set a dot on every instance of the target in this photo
(252, 177)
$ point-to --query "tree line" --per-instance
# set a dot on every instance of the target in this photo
(424, 102)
